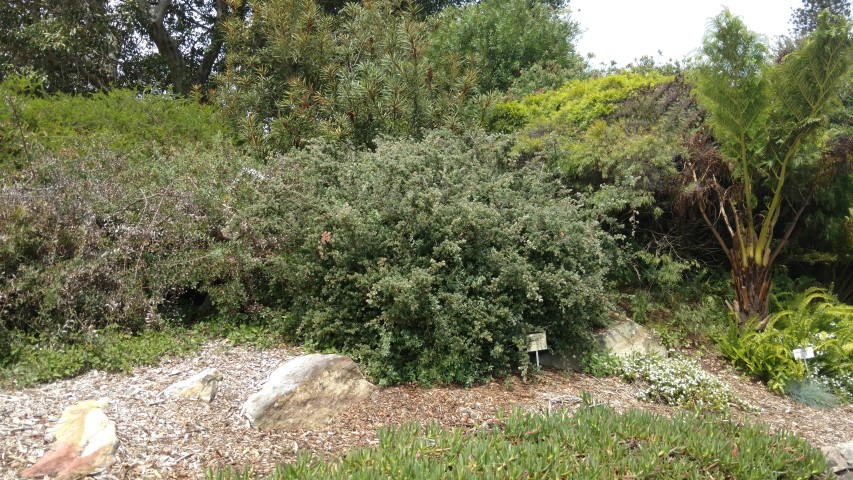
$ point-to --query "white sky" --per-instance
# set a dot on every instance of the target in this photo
(623, 30)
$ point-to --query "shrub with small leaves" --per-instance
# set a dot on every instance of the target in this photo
(430, 261)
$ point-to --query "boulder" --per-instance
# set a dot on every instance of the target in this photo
(201, 386)
(834, 459)
(846, 450)
(622, 337)
(85, 443)
(306, 392)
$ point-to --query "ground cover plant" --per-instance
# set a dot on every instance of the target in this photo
(134, 123)
(814, 319)
(594, 442)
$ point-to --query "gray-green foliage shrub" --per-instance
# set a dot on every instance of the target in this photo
(110, 239)
(430, 261)
(593, 443)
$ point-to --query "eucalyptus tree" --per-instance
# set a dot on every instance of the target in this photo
(764, 118)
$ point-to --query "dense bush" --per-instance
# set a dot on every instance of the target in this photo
(506, 37)
(811, 319)
(294, 73)
(431, 261)
(593, 443)
(110, 239)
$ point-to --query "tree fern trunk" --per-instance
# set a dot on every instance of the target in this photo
(752, 292)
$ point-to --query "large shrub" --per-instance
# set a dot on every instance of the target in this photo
(430, 261)
(108, 239)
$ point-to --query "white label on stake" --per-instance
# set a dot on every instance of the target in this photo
(803, 353)
(536, 342)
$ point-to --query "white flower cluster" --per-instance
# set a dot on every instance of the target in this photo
(839, 384)
(679, 381)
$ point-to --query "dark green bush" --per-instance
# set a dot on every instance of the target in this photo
(430, 261)
(505, 37)
(594, 443)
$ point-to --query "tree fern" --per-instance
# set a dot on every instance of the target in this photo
(761, 116)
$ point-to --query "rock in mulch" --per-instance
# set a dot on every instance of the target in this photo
(307, 392)
(202, 386)
(85, 443)
(622, 337)
(840, 459)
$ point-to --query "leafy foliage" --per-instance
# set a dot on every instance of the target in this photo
(431, 261)
(813, 318)
(505, 37)
(69, 46)
(805, 19)
(592, 443)
(122, 121)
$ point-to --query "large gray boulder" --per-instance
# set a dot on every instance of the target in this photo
(622, 337)
(306, 392)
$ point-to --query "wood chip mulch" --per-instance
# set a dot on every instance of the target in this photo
(180, 439)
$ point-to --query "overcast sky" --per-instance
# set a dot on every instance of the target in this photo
(623, 30)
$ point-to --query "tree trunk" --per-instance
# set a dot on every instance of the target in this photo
(752, 292)
(166, 45)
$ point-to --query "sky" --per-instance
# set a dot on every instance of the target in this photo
(623, 30)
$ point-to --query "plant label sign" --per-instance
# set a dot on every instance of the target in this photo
(803, 353)
(536, 342)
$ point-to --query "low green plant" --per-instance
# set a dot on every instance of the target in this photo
(679, 381)
(593, 443)
(34, 360)
(814, 319)
(601, 364)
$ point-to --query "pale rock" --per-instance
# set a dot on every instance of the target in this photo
(306, 392)
(622, 337)
(846, 450)
(834, 459)
(85, 443)
(202, 386)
